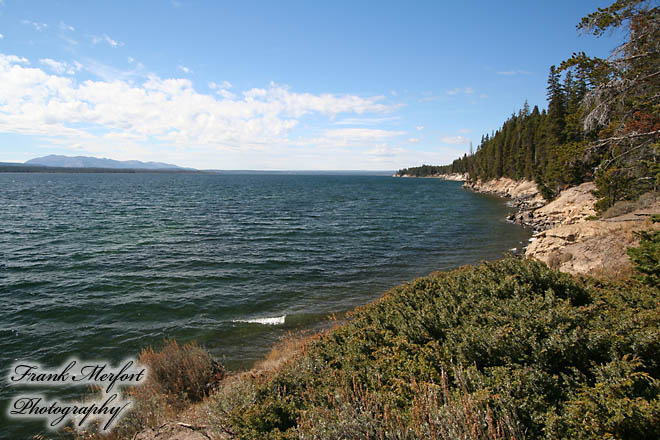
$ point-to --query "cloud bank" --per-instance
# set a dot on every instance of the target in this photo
(53, 105)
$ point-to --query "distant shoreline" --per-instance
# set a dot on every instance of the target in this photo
(20, 168)
(454, 177)
(23, 168)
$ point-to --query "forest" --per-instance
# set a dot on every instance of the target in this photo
(602, 121)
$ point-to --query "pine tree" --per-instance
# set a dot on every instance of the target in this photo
(556, 107)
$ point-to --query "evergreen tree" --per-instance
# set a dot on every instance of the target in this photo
(556, 107)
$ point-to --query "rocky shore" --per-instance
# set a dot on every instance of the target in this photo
(567, 234)
(524, 197)
(455, 177)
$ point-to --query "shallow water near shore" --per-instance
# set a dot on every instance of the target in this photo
(99, 266)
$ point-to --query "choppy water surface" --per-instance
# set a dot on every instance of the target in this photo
(99, 266)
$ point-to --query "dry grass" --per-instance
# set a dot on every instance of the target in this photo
(622, 207)
(287, 348)
(436, 413)
(183, 374)
(178, 376)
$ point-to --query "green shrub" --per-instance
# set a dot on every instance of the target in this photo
(646, 257)
(503, 350)
(623, 403)
(528, 338)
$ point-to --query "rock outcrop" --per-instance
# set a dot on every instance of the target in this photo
(572, 242)
(524, 197)
(505, 187)
(456, 176)
(574, 205)
(591, 246)
(566, 236)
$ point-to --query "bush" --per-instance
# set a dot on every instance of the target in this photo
(508, 347)
(183, 374)
(623, 403)
(646, 257)
(177, 376)
(626, 206)
(437, 413)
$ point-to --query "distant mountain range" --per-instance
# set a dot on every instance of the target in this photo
(55, 160)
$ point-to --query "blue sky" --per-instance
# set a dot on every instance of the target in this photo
(361, 85)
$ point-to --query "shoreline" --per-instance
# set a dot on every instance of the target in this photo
(457, 177)
(523, 195)
(569, 234)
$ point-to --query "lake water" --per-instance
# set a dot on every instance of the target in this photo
(99, 266)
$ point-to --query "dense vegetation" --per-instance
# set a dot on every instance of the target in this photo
(602, 122)
(512, 345)
(503, 350)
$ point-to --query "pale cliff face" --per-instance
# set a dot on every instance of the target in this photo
(506, 187)
(568, 241)
(576, 245)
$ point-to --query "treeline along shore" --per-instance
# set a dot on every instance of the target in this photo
(522, 348)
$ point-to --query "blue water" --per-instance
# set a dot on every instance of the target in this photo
(99, 266)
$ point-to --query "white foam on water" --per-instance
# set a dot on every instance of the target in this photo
(277, 320)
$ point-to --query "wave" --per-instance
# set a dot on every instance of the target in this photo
(277, 320)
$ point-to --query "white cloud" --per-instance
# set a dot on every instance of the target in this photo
(168, 112)
(222, 85)
(131, 60)
(414, 140)
(61, 67)
(455, 140)
(38, 26)
(105, 38)
(13, 59)
(72, 42)
(184, 69)
(395, 157)
(483, 96)
(1, 36)
(221, 89)
(110, 73)
(464, 131)
(341, 138)
(458, 90)
(428, 97)
(513, 72)
(420, 127)
(66, 27)
(361, 134)
(383, 151)
(366, 121)
(225, 94)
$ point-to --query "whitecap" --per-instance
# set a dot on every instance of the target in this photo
(277, 320)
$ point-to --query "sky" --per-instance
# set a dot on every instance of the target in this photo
(285, 85)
